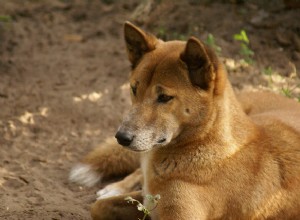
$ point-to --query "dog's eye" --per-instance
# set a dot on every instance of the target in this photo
(133, 90)
(162, 98)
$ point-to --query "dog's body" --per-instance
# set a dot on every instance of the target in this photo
(207, 155)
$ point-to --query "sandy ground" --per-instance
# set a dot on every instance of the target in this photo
(63, 74)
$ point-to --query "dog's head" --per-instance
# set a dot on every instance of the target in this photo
(173, 85)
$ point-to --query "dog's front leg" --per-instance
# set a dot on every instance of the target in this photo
(132, 182)
(185, 210)
(181, 201)
(116, 208)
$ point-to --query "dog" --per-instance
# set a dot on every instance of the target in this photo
(208, 153)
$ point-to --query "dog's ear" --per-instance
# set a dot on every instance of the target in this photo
(137, 42)
(202, 63)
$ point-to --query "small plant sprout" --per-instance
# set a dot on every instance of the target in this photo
(5, 18)
(210, 41)
(268, 71)
(245, 50)
(161, 33)
(152, 201)
(287, 92)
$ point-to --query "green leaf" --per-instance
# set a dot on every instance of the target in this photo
(268, 71)
(245, 50)
(287, 92)
(238, 37)
(210, 40)
(242, 36)
(5, 18)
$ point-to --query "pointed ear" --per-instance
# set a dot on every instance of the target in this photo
(202, 63)
(137, 42)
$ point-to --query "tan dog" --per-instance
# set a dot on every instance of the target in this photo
(208, 156)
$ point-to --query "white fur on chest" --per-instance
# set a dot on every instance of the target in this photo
(145, 166)
(145, 159)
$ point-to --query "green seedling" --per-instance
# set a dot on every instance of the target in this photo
(245, 50)
(5, 18)
(179, 36)
(287, 92)
(210, 41)
(268, 71)
(162, 34)
(242, 36)
(152, 201)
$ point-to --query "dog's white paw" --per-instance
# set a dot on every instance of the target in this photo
(109, 191)
(84, 174)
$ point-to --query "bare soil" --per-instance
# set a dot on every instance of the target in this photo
(63, 74)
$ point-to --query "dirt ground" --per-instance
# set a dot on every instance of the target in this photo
(63, 74)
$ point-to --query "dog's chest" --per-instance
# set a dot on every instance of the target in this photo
(160, 169)
(145, 166)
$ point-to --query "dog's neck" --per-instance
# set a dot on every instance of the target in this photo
(231, 128)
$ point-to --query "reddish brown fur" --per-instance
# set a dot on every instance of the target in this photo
(220, 162)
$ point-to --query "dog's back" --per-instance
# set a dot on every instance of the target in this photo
(279, 120)
(269, 105)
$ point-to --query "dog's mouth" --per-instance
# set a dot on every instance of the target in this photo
(162, 140)
(138, 150)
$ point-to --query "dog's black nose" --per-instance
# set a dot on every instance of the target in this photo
(124, 138)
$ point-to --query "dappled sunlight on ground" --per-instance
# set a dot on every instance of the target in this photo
(28, 117)
(93, 97)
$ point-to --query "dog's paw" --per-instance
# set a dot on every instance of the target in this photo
(84, 174)
(109, 191)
